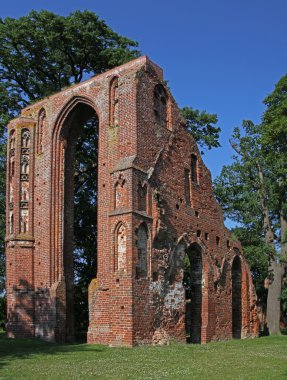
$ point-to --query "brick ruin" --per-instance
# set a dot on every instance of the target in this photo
(167, 266)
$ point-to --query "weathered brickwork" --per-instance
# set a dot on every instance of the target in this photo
(167, 266)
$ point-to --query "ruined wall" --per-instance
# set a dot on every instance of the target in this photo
(156, 214)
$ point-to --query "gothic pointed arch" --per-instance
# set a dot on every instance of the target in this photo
(142, 266)
(120, 247)
(40, 130)
(114, 101)
(236, 278)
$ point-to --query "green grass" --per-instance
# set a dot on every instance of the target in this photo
(262, 358)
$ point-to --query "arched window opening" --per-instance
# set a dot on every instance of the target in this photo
(80, 151)
(24, 191)
(142, 244)
(121, 248)
(24, 221)
(25, 138)
(11, 194)
(12, 142)
(160, 100)
(12, 167)
(236, 298)
(11, 222)
(142, 197)
(187, 187)
(40, 130)
(192, 282)
(114, 102)
(24, 165)
(120, 193)
(194, 171)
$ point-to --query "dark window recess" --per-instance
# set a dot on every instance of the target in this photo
(198, 233)
(160, 105)
(187, 186)
(194, 174)
(155, 276)
(141, 267)
(142, 197)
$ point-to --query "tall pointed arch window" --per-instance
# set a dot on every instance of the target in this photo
(114, 102)
(25, 138)
(160, 100)
(142, 244)
(121, 248)
(194, 168)
(40, 130)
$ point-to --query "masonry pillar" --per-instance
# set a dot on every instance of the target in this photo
(19, 230)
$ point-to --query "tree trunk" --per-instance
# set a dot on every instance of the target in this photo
(274, 268)
(273, 297)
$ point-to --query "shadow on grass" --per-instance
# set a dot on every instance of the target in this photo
(24, 348)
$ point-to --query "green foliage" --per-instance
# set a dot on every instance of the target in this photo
(245, 190)
(257, 254)
(186, 272)
(43, 52)
(274, 145)
(253, 190)
(238, 188)
(284, 300)
(274, 137)
(202, 126)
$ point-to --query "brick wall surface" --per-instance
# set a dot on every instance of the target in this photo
(156, 209)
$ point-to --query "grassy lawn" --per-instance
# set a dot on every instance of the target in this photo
(262, 358)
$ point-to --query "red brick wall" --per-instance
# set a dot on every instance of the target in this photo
(143, 181)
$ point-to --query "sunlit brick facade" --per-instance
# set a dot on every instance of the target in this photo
(156, 212)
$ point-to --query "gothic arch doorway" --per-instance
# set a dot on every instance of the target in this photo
(236, 274)
(192, 281)
(78, 189)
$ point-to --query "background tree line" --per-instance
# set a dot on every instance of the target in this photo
(253, 193)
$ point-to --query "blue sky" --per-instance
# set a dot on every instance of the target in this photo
(222, 56)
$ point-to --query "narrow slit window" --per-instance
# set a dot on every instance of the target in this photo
(194, 171)
(187, 186)
(160, 101)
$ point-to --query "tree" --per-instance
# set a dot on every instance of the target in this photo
(202, 126)
(249, 194)
(274, 145)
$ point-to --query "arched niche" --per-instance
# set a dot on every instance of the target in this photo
(192, 282)
(142, 251)
(121, 248)
(236, 278)
(25, 138)
(41, 126)
(120, 192)
(142, 196)
(160, 105)
(114, 101)
(194, 168)
(75, 167)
